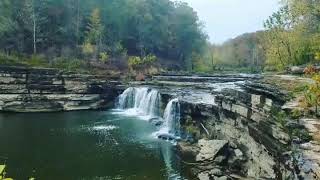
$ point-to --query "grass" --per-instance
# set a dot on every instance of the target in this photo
(63, 63)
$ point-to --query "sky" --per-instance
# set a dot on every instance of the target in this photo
(226, 19)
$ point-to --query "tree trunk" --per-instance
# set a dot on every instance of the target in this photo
(78, 21)
(34, 31)
(212, 61)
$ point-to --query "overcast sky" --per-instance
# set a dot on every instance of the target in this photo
(225, 19)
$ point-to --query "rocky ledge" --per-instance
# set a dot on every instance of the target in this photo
(234, 132)
(47, 90)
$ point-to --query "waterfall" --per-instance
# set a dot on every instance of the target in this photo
(145, 102)
(140, 101)
(171, 126)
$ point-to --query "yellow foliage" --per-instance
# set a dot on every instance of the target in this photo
(312, 94)
(317, 56)
(88, 48)
(136, 61)
(104, 57)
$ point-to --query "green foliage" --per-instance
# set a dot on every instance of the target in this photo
(170, 30)
(74, 65)
(38, 61)
(296, 114)
(301, 134)
(280, 117)
(94, 28)
(149, 59)
(292, 36)
(136, 62)
(9, 59)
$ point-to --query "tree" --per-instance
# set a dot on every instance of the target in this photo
(292, 33)
(56, 28)
(94, 33)
(30, 12)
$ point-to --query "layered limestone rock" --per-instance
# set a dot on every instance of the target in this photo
(46, 90)
(242, 118)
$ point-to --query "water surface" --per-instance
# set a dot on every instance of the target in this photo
(84, 145)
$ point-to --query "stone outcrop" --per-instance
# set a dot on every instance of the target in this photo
(46, 90)
(244, 119)
(209, 149)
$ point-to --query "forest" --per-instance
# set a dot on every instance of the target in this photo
(135, 34)
(110, 32)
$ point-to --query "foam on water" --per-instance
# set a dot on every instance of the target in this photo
(104, 127)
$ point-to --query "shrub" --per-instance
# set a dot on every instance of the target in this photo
(136, 62)
(75, 65)
(104, 57)
(312, 92)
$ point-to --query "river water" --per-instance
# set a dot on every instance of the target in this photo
(85, 145)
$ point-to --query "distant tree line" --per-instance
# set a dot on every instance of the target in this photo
(291, 37)
(96, 30)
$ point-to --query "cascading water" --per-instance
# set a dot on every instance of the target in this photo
(140, 101)
(146, 102)
(171, 124)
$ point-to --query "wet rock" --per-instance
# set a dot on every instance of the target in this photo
(167, 137)
(156, 121)
(209, 149)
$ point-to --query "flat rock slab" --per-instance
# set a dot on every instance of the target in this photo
(209, 149)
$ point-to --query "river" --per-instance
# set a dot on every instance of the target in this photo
(85, 145)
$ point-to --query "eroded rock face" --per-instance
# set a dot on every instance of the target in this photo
(48, 90)
(242, 118)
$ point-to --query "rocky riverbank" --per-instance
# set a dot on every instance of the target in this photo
(234, 129)
(47, 90)
(231, 127)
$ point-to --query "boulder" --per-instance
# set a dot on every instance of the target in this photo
(209, 149)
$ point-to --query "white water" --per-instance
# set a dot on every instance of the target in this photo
(171, 117)
(143, 102)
